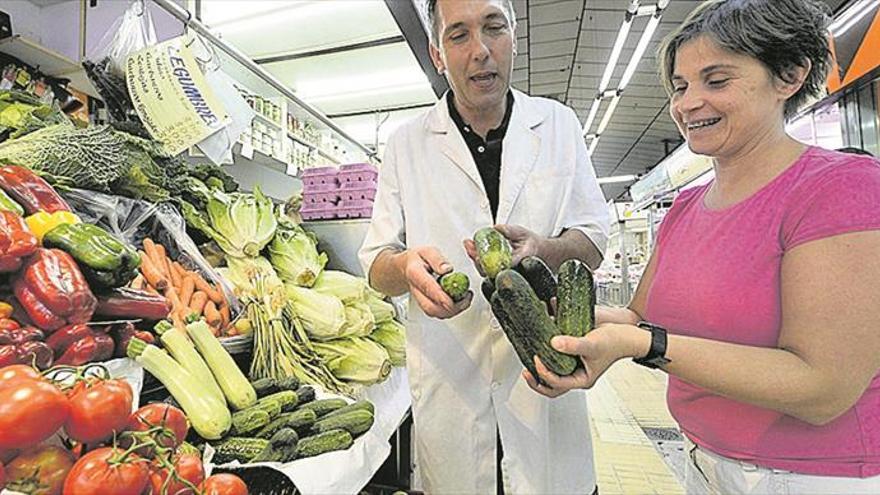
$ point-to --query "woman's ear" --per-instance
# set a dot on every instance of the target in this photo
(793, 79)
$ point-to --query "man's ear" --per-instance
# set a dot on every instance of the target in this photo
(436, 58)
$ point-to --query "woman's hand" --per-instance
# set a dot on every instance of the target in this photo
(598, 350)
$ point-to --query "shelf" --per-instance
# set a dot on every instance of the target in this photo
(48, 62)
(267, 120)
(325, 154)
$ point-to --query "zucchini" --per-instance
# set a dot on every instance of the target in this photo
(182, 350)
(361, 405)
(456, 285)
(576, 303)
(238, 449)
(539, 276)
(325, 406)
(248, 420)
(306, 394)
(209, 415)
(324, 442)
(239, 392)
(487, 288)
(529, 326)
(265, 386)
(287, 400)
(354, 422)
(493, 251)
(301, 421)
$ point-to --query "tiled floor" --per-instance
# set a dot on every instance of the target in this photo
(627, 399)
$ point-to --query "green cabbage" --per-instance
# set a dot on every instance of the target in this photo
(355, 359)
(382, 311)
(391, 336)
(359, 320)
(322, 316)
(294, 253)
(346, 287)
(241, 223)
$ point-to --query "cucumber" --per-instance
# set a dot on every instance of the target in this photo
(487, 288)
(324, 442)
(493, 251)
(306, 394)
(354, 422)
(286, 399)
(238, 449)
(301, 421)
(265, 386)
(248, 420)
(576, 302)
(529, 326)
(539, 276)
(325, 406)
(361, 405)
(456, 284)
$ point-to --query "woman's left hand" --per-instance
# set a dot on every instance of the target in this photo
(598, 350)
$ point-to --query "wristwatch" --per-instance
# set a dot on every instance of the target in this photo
(656, 356)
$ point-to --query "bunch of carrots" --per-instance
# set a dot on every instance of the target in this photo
(187, 291)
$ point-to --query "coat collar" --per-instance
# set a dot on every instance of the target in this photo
(525, 112)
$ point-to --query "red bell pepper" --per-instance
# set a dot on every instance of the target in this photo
(96, 346)
(30, 190)
(21, 335)
(33, 353)
(53, 291)
(16, 241)
(65, 336)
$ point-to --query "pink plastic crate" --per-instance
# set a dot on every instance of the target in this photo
(354, 209)
(351, 191)
(311, 197)
(321, 177)
(325, 187)
(357, 172)
(318, 211)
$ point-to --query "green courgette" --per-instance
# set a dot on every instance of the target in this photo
(321, 443)
(493, 251)
(576, 302)
(529, 326)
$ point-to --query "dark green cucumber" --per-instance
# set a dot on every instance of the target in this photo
(525, 351)
(305, 394)
(324, 442)
(325, 406)
(539, 276)
(493, 251)
(487, 288)
(456, 284)
(301, 421)
(354, 422)
(361, 405)
(529, 326)
(576, 301)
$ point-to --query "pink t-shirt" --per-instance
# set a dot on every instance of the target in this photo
(718, 277)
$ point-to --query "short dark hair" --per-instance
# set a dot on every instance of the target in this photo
(431, 11)
(781, 34)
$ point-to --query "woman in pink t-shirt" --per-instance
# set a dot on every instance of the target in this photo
(763, 291)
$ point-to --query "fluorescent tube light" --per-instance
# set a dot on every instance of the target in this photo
(615, 53)
(608, 113)
(592, 116)
(860, 11)
(617, 179)
(640, 50)
(594, 144)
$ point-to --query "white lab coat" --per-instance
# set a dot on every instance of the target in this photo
(464, 375)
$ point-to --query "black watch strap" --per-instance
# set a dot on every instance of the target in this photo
(656, 356)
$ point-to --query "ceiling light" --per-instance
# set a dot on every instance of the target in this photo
(341, 86)
(640, 50)
(859, 11)
(856, 9)
(615, 51)
(592, 116)
(617, 179)
(594, 144)
(608, 113)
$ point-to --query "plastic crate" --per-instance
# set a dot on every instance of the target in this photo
(317, 197)
(320, 177)
(357, 172)
(359, 208)
(318, 211)
(351, 191)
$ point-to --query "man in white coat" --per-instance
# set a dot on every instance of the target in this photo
(484, 154)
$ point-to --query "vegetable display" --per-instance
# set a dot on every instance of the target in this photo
(106, 262)
(53, 291)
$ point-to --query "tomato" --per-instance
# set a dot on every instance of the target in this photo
(159, 414)
(30, 412)
(2, 477)
(188, 467)
(39, 471)
(100, 473)
(98, 409)
(223, 484)
(15, 372)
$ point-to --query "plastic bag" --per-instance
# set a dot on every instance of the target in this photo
(105, 66)
(133, 220)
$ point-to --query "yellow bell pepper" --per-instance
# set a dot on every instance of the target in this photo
(5, 309)
(41, 222)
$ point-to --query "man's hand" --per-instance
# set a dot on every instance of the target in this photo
(523, 241)
(421, 265)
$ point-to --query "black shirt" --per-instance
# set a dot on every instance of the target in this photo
(487, 154)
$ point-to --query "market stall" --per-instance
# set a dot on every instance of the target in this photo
(162, 254)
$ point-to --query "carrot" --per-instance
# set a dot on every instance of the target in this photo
(225, 316)
(183, 272)
(152, 274)
(150, 248)
(214, 294)
(197, 303)
(172, 295)
(212, 316)
(138, 282)
(186, 290)
(177, 320)
(176, 279)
